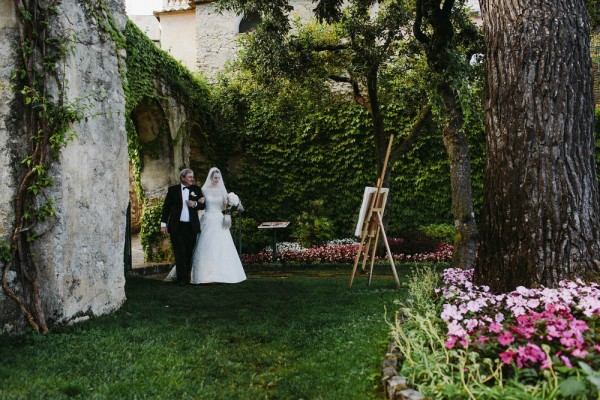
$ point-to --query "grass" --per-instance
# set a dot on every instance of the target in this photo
(290, 336)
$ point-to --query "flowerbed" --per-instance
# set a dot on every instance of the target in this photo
(459, 341)
(337, 253)
(541, 328)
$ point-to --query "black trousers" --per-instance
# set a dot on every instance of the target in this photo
(183, 241)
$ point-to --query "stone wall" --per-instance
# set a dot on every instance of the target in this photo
(81, 255)
(217, 34)
(9, 311)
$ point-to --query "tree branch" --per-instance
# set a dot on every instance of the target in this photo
(356, 94)
(419, 35)
(335, 47)
(406, 144)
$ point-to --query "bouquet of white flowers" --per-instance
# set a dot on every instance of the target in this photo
(232, 200)
(233, 204)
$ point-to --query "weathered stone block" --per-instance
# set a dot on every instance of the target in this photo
(81, 254)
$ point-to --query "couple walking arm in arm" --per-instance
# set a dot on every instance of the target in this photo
(213, 257)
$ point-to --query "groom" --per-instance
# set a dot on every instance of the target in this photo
(180, 220)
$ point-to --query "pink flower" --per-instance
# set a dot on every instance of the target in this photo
(568, 342)
(567, 362)
(529, 354)
(579, 353)
(495, 327)
(507, 356)
(533, 303)
(568, 323)
(505, 338)
(483, 339)
(450, 342)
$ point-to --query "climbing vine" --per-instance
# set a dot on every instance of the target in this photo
(47, 122)
(149, 67)
(151, 73)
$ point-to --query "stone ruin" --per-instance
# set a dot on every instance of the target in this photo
(81, 255)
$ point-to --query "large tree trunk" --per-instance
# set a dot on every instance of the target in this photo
(541, 206)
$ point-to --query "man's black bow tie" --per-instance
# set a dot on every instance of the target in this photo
(184, 188)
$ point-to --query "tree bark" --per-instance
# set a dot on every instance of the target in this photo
(541, 207)
(438, 51)
(455, 141)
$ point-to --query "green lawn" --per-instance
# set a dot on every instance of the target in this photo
(275, 336)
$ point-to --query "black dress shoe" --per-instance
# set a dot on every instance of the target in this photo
(180, 283)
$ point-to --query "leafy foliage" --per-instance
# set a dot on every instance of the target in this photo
(313, 227)
(150, 73)
(367, 49)
(309, 143)
(442, 232)
(297, 147)
(150, 234)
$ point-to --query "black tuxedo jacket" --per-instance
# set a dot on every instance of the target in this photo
(171, 211)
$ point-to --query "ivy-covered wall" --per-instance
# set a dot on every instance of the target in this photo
(304, 144)
(169, 127)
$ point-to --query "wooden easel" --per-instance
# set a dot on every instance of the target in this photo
(373, 228)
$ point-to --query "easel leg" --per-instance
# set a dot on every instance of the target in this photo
(358, 253)
(366, 256)
(373, 253)
(389, 252)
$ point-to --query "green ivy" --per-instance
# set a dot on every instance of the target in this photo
(306, 144)
(148, 68)
(150, 234)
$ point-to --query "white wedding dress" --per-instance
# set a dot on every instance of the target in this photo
(215, 258)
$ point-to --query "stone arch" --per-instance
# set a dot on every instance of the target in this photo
(249, 22)
(151, 125)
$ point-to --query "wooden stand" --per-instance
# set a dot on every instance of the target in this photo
(372, 228)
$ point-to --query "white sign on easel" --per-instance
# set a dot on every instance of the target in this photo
(362, 214)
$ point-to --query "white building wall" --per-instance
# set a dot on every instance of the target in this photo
(217, 35)
(178, 36)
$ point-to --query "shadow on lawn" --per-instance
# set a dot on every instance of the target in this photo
(268, 337)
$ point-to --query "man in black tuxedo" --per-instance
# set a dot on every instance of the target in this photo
(180, 220)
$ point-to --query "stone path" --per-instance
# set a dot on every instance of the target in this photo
(138, 266)
(137, 253)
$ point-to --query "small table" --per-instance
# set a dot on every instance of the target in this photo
(274, 226)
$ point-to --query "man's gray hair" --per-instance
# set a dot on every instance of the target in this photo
(185, 172)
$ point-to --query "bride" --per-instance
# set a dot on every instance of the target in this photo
(215, 258)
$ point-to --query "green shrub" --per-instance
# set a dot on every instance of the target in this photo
(441, 232)
(314, 227)
(253, 239)
(156, 246)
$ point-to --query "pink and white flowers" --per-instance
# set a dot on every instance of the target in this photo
(517, 327)
(342, 253)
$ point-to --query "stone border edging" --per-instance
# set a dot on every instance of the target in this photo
(149, 269)
(396, 386)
